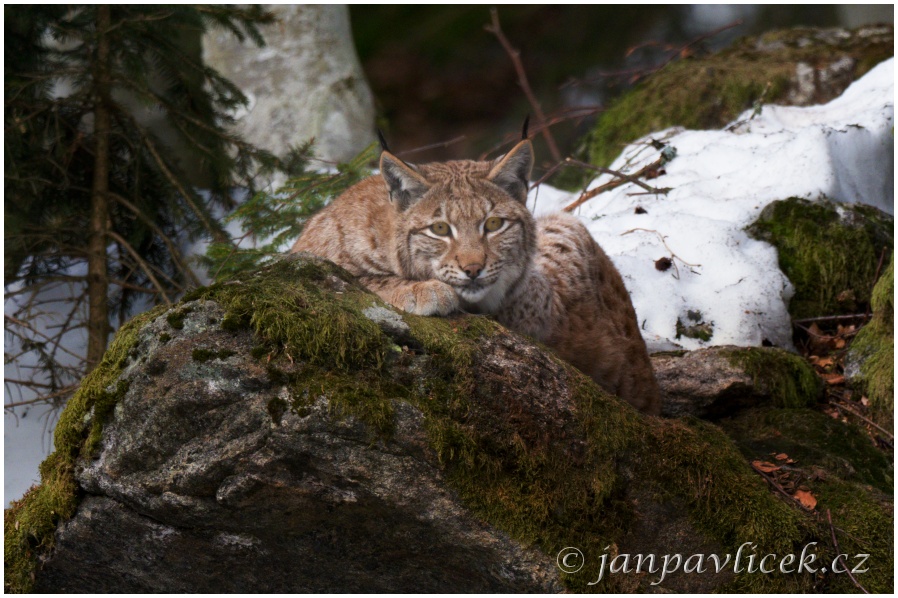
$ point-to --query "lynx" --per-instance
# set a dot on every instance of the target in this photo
(437, 238)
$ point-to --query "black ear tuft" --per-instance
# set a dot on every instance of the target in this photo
(404, 182)
(512, 172)
(383, 142)
(524, 133)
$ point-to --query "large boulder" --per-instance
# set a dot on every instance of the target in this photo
(830, 251)
(289, 432)
(793, 67)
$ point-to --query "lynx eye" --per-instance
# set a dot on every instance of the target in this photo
(440, 229)
(493, 224)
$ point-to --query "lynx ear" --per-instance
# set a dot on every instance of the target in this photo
(405, 183)
(512, 172)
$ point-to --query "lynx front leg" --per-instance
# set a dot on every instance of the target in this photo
(422, 298)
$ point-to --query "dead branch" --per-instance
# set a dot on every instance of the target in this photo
(496, 29)
(586, 196)
(778, 488)
(432, 146)
(845, 409)
(147, 269)
(175, 253)
(832, 531)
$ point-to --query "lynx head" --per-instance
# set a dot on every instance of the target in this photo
(464, 223)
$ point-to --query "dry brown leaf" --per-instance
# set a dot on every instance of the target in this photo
(806, 498)
(823, 362)
(833, 378)
(781, 457)
(839, 343)
(764, 466)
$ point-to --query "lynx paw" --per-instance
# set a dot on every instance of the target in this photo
(427, 298)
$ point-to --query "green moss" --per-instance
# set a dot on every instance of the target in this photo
(294, 316)
(828, 252)
(786, 377)
(30, 523)
(175, 319)
(164, 337)
(863, 524)
(696, 460)
(874, 349)
(709, 92)
(549, 490)
(203, 355)
(812, 439)
(694, 327)
(366, 397)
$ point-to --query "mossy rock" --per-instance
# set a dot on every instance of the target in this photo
(870, 363)
(801, 66)
(812, 439)
(529, 445)
(718, 382)
(829, 251)
(835, 461)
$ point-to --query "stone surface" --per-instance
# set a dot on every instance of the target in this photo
(266, 435)
(209, 486)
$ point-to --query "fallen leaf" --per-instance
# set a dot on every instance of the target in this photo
(765, 466)
(823, 362)
(806, 498)
(781, 457)
(833, 378)
(839, 343)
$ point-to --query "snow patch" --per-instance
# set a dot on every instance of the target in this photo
(721, 180)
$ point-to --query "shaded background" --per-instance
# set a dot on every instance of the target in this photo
(438, 76)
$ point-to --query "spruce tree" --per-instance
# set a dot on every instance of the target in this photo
(102, 105)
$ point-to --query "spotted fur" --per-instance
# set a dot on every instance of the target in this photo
(546, 278)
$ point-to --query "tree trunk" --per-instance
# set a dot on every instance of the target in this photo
(97, 278)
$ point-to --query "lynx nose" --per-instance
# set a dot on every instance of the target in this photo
(473, 270)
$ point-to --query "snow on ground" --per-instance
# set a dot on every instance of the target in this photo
(721, 180)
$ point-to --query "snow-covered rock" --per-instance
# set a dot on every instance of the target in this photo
(721, 279)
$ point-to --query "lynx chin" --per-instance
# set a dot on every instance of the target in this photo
(436, 238)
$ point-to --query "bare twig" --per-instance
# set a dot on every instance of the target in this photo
(44, 398)
(846, 409)
(778, 488)
(175, 253)
(635, 74)
(147, 269)
(627, 178)
(496, 29)
(663, 240)
(432, 146)
(882, 256)
(832, 531)
(830, 319)
(586, 196)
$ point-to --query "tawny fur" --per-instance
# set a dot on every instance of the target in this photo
(546, 278)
